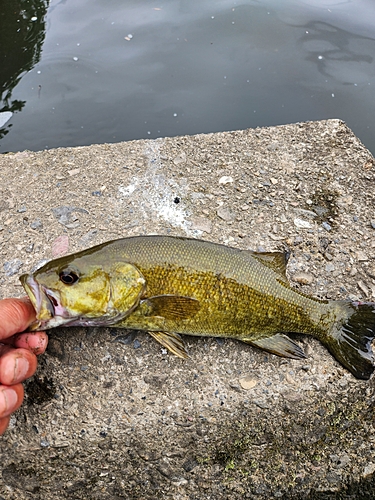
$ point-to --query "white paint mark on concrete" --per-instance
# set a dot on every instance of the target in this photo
(127, 190)
(156, 192)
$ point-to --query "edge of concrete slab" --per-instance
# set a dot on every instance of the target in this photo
(109, 417)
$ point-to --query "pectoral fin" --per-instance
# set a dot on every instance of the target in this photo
(280, 345)
(172, 341)
(171, 306)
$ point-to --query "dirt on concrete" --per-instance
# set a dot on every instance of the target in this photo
(110, 414)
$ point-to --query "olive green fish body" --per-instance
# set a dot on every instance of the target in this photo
(168, 286)
(239, 295)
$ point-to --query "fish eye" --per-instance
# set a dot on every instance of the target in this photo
(68, 277)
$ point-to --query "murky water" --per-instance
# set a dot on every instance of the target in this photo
(77, 72)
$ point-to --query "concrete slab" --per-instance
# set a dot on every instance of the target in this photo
(105, 418)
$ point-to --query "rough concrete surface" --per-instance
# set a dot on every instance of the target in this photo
(118, 418)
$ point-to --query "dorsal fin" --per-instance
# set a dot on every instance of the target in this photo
(277, 261)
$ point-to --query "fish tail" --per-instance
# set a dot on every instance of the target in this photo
(350, 339)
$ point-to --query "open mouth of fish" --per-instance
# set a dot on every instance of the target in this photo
(50, 313)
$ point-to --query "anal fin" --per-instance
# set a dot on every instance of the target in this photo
(279, 344)
(172, 341)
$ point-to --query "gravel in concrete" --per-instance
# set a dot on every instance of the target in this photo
(121, 418)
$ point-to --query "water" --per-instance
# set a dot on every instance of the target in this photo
(78, 72)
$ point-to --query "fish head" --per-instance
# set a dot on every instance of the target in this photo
(79, 291)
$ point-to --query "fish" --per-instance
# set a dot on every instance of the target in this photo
(171, 286)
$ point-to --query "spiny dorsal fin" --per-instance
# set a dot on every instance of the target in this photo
(172, 306)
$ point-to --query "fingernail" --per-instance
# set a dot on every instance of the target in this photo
(21, 369)
(10, 400)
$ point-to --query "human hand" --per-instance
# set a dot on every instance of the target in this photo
(17, 354)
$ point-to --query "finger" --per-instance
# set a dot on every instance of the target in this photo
(15, 316)
(16, 365)
(36, 342)
(10, 399)
(4, 422)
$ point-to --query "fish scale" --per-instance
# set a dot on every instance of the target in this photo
(169, 286)
(233, 286)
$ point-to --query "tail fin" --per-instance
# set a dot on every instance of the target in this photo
(350, 342)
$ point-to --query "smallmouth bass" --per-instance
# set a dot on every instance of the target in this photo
(169, 286)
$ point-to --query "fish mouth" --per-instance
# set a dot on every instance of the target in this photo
(47, 305)
(50, 313)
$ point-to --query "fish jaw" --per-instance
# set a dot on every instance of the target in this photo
(47, 304)
(50, 313)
